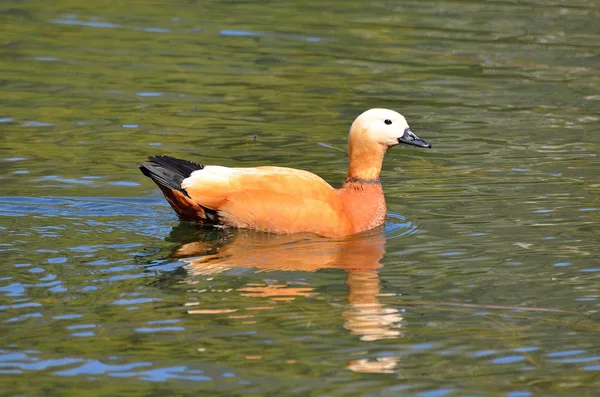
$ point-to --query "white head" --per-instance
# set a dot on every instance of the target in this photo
(384, 127)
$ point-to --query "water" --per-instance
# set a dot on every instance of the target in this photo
(484, 280)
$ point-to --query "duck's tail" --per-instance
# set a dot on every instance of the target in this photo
(168, 173)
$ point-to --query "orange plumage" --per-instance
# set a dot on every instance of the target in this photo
(286, 200)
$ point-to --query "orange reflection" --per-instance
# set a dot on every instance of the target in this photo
(270, 252)
(359, 256)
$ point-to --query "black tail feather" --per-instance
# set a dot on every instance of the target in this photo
(168, 171)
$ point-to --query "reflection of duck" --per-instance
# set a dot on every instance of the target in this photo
(358, 255)
(291, 252)
(286, 200)
(367, 316)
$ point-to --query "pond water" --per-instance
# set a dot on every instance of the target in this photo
(485, 280)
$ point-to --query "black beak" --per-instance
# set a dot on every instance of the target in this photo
(411, 139)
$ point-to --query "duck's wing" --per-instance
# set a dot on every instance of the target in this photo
(272, 199)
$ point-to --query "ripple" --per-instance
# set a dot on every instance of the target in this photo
(24, 317)
(577, 360)
(164, 374)
(565, 353)
(95, 367)
(397, 226)
(422, 346)
(81, 326)
(9, 361)
(147, 330)
(518, 394)
(37, 124)
(135, 301)
(508, 359)
(67, 316)
(25, 304)
(435, 393)
(124, 183)
(56, 178)
(168, 321)
(230, 32)
(84, 334)
(562, 264)
(526, 349)
(15, 289)
(155, 30)
(90, 24)
(75, 206)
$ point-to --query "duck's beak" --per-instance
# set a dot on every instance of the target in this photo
(411, 139)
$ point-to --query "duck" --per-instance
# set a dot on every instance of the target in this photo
(284, 200)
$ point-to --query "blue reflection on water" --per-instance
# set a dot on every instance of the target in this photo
(91, 24)
(17, 362)
(229, 32)
(508, 359)
(566, 353)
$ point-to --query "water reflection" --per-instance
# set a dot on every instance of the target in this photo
(359, 256)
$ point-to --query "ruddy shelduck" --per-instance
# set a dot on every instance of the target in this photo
(286, 200)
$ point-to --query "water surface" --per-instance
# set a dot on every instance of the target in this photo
(484, 280)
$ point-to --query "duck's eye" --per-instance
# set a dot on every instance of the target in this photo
(388, 121)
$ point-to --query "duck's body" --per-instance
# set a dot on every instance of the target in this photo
(286, 200)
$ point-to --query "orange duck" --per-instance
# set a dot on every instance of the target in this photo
(286, 200)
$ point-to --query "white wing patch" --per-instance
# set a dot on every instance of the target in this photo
(210, 174)
(216, 175)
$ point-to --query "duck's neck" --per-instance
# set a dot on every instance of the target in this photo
(365, 162)
(362, 193)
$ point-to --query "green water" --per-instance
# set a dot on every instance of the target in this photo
(485, 280)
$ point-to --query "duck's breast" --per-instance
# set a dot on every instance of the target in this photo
(364, 204)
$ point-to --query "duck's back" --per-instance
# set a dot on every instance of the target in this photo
(271, 199)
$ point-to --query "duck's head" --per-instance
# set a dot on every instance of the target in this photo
(383, 127)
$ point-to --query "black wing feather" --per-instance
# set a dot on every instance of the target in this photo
(168, 171)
